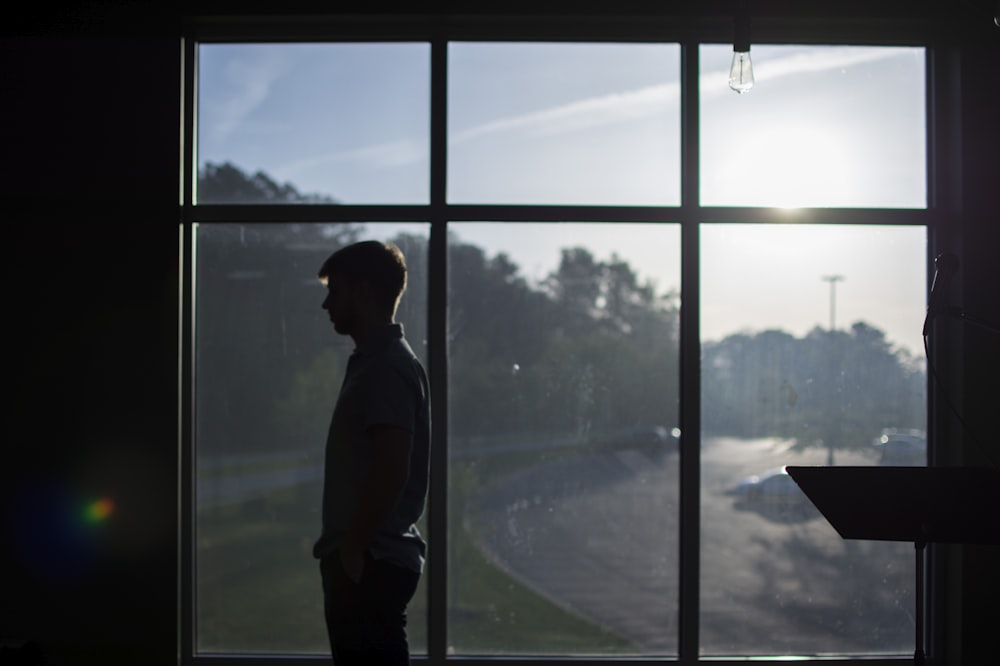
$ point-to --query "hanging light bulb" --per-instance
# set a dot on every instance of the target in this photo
(741, 71)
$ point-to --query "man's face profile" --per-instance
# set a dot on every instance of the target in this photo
(340, 304)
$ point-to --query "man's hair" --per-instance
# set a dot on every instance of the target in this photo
(380, 265)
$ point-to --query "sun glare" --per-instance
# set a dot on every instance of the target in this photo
(792, 167)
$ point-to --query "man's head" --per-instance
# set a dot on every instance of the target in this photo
(367, 275)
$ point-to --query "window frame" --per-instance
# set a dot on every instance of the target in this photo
(438, 31)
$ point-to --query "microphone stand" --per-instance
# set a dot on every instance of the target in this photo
(918, 652)
(981, 323)
(946, 264)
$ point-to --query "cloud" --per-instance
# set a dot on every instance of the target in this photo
(808, 62)
(377, 156)
(582, 114)
(579, 115)
(652, 100)
(248, 82)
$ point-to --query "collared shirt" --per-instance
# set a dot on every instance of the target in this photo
(384, 385)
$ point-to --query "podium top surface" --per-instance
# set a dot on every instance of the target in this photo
(917, 504)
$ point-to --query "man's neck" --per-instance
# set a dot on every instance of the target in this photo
(366, 330)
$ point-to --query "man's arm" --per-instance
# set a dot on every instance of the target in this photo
(379, 495)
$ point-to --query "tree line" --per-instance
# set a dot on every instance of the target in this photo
(586, 355)
(831, 389)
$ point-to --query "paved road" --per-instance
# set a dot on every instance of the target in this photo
(597, 535)
(218, 487)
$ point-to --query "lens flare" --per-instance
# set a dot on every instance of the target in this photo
(99, 510)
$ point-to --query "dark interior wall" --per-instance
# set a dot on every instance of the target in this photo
(975, 638)
(91, 137)
(89, 187)
(980, 288)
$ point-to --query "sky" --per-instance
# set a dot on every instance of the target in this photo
(600, 124)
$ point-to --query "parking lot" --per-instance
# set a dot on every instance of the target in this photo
(597, 534)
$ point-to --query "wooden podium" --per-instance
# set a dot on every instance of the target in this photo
(917, 504)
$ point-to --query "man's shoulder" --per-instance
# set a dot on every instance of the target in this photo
(397, 357)
(399, 351)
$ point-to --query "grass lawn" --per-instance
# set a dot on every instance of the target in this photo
(258, 590)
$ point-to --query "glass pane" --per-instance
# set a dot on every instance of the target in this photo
(564, 123)
(268, 369)
(836, 126)
(346, 123)
(563, 477)
(811, 355)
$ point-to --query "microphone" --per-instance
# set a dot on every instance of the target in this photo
(945, 266)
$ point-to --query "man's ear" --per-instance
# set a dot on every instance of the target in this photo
(364, 294)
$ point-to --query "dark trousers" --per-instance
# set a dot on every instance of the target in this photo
(366, 621)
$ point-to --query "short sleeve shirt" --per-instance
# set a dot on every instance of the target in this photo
(384, 385)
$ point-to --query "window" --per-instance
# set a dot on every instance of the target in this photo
(838, 126)
(825, 365)
(563, 439)
(344, 123)
(566, 284)
(564, 123)
(264, 358)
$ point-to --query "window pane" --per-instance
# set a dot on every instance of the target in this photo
(810, 356)
(823, 126)
(563, 477)
(268, 368)
(347, 123)
(564, 123)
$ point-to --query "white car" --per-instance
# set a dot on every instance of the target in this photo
(902, 448)
(773, 487)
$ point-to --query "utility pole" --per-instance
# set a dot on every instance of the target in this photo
(833, 280)
(837, 352)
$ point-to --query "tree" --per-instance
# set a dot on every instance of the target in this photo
(258, 324)
(258, 321)
(498, 331)
(228, 183)
(589, 352)
(830, 389)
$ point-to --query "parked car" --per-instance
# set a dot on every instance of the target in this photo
(902, 448)
(774, 495)
(773, 487)
(653, 439)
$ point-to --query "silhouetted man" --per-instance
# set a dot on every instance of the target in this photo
(371, 554)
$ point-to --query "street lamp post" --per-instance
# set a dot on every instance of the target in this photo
(833, 280)
(838, 354)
